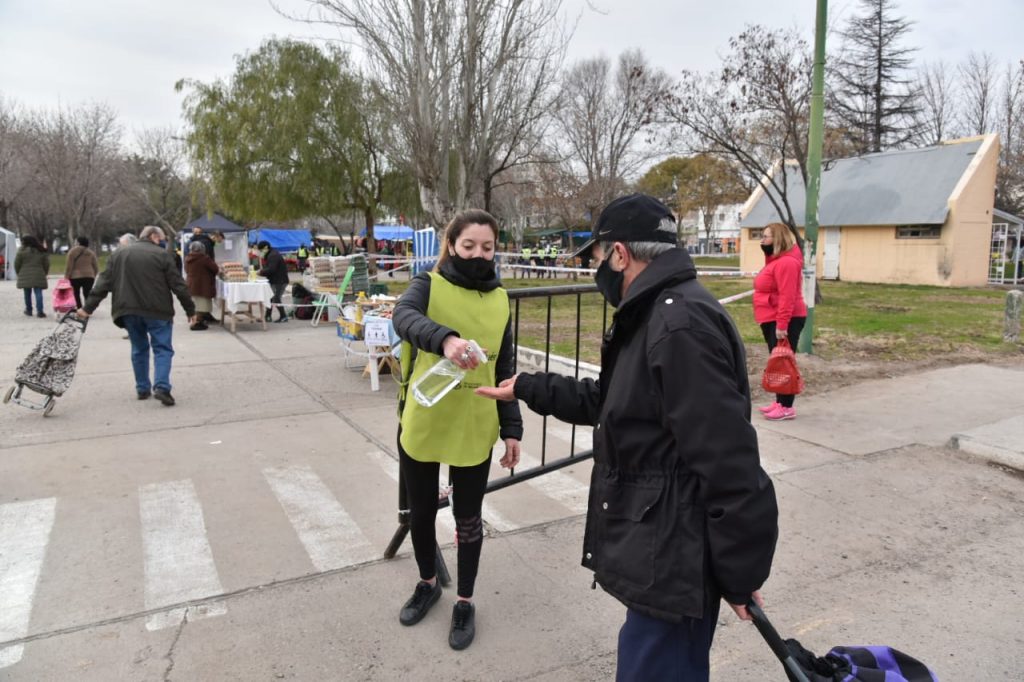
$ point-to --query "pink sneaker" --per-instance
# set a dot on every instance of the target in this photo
(768, 408)
(781, 413)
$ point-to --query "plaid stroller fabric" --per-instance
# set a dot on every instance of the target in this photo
(50, 367)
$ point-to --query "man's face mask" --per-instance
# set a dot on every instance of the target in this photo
(162, 243)
(609, 282)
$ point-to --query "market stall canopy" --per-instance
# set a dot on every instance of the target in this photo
(8, 249)
(390, 232)
(214, 223)
(282, 240)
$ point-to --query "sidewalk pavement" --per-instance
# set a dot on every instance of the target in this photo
(888, 534)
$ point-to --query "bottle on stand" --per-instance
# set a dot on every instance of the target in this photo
(445, 375)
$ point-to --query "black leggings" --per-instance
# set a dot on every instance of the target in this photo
(82, 286)
(796, 325)
(469, 485)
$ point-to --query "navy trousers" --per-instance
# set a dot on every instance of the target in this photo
(655, 649)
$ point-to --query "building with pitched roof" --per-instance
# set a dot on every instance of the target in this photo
(913, 216)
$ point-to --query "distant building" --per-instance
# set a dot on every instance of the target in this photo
(914, 216)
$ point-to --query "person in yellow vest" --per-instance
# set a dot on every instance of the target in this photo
(302, 255)
(437, 317)
(526, 258)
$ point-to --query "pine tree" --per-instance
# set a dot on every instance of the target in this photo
(872, 93)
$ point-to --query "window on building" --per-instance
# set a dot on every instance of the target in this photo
(755, 234)
(918, 231)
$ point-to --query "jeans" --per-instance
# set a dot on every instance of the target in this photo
(655, 649)
(28, 299)
(147, 332)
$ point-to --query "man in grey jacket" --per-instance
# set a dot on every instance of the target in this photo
(142, 277)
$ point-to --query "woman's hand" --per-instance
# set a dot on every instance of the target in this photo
(781, 334)
(457, 350)
(511, 458)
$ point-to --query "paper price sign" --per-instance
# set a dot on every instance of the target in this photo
(375, 333)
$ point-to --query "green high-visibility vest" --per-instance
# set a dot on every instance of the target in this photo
(526, 252)
(303, 253)
(462, 427)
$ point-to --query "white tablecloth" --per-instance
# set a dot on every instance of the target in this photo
(235, 293)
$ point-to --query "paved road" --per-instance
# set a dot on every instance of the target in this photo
(238, 534)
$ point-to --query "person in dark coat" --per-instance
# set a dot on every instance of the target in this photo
(199, 236)
(276, 272)
(32, 264)
(142, 278)
(201, 273)
(681, 513)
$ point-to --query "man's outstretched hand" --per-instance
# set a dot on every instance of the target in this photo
(505, 391)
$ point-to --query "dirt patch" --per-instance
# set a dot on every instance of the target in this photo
(882, 308)
(822, 375)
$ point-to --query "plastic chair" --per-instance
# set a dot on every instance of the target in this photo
(323, 303)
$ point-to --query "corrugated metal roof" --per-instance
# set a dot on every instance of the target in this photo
(907, 187)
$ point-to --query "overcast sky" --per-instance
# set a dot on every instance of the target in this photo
(129, 53)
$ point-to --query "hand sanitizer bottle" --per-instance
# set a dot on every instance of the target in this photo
(445, 375)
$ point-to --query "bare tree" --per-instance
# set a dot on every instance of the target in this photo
(15, 174)
(978, 83)
(1010, 125)
(600, 118)
(464, 81)
(937, 116)
(754, 111)
(76, 154)
(156, 178)
(870, 94)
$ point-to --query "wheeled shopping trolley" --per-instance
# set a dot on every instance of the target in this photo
(50, 367)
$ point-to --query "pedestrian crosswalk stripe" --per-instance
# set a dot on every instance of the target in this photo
(390, 467)
(178, 565)
(331, 538)
(24, 534)
(557, 485)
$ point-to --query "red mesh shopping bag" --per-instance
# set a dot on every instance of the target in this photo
(781, 375)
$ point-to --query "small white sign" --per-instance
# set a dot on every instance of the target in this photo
(375, 333)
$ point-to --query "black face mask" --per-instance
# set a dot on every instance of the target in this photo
(476, 269)
(768, 249)
(609, 282)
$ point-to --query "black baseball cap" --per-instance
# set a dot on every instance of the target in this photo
(632, 218)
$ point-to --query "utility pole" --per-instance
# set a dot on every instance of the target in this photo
(806, 344)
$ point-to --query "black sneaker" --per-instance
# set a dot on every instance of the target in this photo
(144, 395)
(283, 319)
(425, 596)
(40, 314)
(463, 626)
(29, 313)
(164, 397)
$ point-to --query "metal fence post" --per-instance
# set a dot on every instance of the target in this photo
(1011, 324)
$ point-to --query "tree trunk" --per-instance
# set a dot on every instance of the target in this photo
(371, 241)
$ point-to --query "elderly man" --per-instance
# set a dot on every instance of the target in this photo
(681, 514)
(142, 277)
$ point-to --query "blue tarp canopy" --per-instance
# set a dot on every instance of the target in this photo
(282, 240)
(579, 235)
(399, 232)
(215, 223)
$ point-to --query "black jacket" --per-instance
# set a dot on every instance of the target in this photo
(412, 324)
(680, 510)
(274, 267)
(142, 278)
(207, 243)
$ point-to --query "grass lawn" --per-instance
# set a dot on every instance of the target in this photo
(58, 261)
(854, 321)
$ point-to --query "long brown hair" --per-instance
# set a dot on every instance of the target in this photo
(462, 220)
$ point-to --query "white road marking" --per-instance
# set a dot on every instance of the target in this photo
(178, 561)
(331, 538)
(24, 534)
(557, 485)
(390, 467)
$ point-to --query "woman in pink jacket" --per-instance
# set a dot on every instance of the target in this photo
(779, 301)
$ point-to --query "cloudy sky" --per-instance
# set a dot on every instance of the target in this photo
(129, 53)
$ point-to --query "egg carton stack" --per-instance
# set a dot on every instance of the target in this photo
(322, 271)
(232, 271)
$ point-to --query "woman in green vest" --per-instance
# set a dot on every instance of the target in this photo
(437, 317)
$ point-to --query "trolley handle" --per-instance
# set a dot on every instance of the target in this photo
(81, 321)
(777, 644)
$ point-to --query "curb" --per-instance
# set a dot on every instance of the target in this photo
(992, 453)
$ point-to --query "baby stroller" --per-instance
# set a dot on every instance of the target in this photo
(63, 300)
(50, 367)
